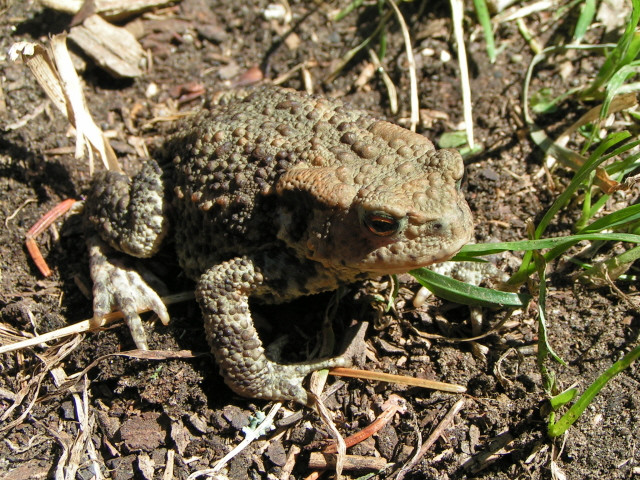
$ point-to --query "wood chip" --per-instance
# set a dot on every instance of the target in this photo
(180, 435)
(146, 466)
(112, 48)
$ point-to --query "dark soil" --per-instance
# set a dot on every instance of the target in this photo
(147, 416)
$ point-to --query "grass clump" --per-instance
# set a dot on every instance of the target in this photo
(604, 160)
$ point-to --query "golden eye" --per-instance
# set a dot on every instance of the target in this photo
(381, 224)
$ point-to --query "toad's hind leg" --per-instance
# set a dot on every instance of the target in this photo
(223, 294)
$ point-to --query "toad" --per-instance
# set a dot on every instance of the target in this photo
(271, 195)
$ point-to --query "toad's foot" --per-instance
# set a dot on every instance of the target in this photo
(116, 287)
(223, 294)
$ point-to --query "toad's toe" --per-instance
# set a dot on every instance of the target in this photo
(116, 287)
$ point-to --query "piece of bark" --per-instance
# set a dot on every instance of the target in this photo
(112, 48)
(109, 9)
(146, 432)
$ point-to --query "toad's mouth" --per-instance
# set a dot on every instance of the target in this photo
(386, 263)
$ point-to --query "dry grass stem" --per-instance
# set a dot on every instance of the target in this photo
(497, 6)
(457, 17)
(567, 157)
(300, 67)
(618, 104)
(76, 447)
(502, 323)
(399, 379)
(494, 452)
(168, 469)
(525, 11)
(27, 118)
(292, 457)
(413, 79)
(17, 210)
(139, 354)
(53, 69)
(386, 79)
(85, 326)
(30, 390)
(355, 50)
(341, 447)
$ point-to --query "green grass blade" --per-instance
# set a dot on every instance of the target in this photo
(624, 52)
(615, 85)
(485, 21)
(585, 399)
(594, 160)
(625, 166)
(604, 272)
(544, 347)
(587, 14)
(469, 252)
(348, 9)
(355, 50)
(543, 56)
(563, 398)
(460, 292)
(455, 139)
(614, 220)
(557, 247)
(617, 171)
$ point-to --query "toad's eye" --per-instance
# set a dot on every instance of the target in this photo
(381, 224)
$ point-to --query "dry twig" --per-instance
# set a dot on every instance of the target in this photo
(40, 226)
(444, 424)
(374, 427)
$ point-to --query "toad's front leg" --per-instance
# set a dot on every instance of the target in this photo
(129, 216)
(223, 294)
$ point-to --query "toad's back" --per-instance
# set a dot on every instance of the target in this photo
(258, 168)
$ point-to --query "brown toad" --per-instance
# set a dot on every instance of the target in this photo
(272, 195)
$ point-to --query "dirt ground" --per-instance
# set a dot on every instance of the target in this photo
(146, 418)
